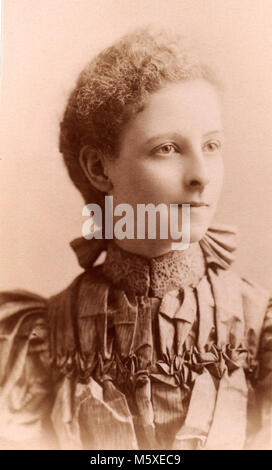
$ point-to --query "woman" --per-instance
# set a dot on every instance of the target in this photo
(155, 348)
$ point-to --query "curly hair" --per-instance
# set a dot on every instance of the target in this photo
(113, 87)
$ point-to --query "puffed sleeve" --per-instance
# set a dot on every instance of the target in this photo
(262, 422)
(25, 378)
(264, 386)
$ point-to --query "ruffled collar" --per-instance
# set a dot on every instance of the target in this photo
(153, 277)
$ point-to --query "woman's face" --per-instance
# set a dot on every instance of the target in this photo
(171, 153)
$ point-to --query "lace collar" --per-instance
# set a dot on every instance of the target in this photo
(153, 277)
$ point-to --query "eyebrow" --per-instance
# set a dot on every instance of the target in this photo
(173, 135)
(217, 131)
(176, 135)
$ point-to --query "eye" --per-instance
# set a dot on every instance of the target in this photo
(165, 149)
(212, 146)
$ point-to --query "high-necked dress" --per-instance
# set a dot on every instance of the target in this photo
(172, 352)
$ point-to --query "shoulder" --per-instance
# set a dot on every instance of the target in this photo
(24, 365)
(27, 327)
(245, 300)
(38, 337)
(257, 306)
(23, 324)
(252, 294)
(219, 245)
(28, 317)
(16, 302)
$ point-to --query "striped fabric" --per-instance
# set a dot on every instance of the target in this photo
(178, 358)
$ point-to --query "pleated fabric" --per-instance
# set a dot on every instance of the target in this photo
(169, 360)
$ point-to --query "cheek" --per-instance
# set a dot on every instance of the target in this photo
(140, 184)
(217, 177)
(220, 175)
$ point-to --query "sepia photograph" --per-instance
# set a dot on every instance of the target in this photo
(136, 225)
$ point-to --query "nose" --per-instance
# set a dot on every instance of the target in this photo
(196, 174)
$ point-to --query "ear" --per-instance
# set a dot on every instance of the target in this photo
(92, 163)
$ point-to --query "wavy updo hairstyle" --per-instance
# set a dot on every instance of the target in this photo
(113, 87)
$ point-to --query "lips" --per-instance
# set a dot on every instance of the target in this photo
(195, 204)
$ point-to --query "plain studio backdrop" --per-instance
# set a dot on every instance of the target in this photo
(45, 44)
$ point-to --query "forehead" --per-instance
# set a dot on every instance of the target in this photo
(189, 108)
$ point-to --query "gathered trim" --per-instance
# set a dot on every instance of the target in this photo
(176, 370)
